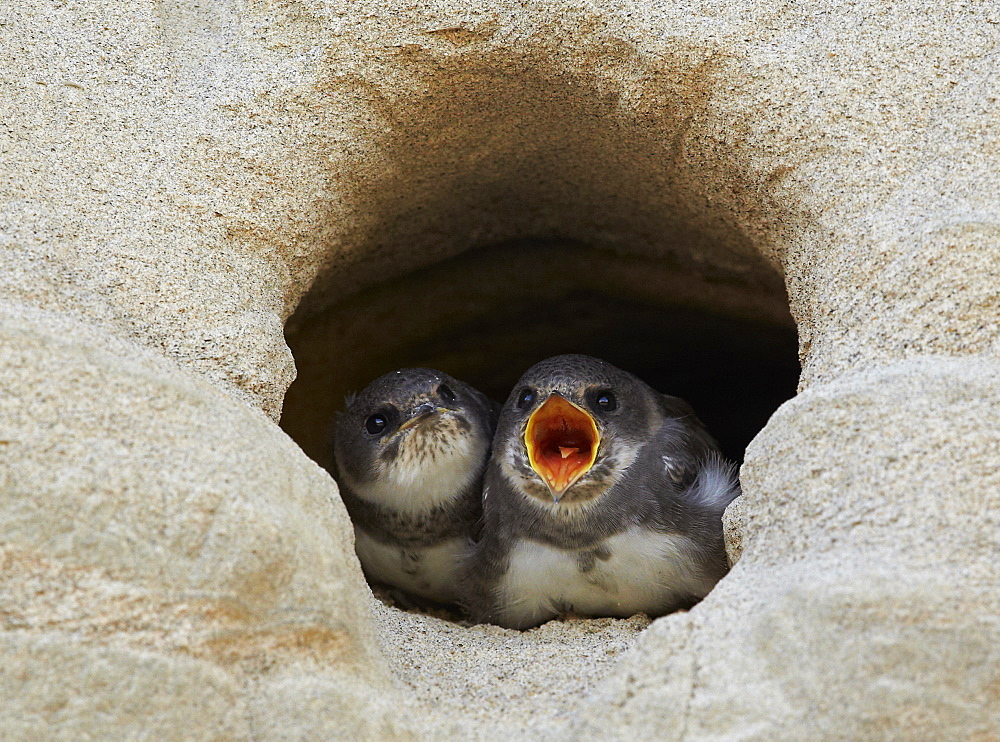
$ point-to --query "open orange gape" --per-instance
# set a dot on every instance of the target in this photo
(562, 441)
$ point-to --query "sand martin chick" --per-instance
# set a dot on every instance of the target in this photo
(409, 454)
(602, 498)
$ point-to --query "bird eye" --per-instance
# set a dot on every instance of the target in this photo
(606, 401)
(446, 393)
(376, 423)
(525, 399)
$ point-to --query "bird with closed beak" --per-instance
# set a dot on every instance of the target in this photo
(602, 498)
(409, 454)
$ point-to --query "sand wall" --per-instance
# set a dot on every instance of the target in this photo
(185, 186)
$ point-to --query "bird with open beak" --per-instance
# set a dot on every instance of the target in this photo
(409, 455)
(601, 498)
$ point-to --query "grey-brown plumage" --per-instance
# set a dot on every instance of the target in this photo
(409, 454)
(601, 498)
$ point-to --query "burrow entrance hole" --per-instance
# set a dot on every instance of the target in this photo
(514, 208)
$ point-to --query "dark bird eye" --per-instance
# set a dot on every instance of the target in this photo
(376, 423)
(446, 393)
(525, 399)
(606, 401)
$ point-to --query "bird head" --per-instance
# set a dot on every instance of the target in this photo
(571, 427)
(411, 435)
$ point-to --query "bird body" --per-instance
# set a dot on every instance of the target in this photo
(602, 498)
(409, 454)
(427, 571)
(633, 571)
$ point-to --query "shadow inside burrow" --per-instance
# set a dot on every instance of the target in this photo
(485, 317)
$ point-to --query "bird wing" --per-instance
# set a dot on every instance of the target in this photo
(675, 408)
(687, 481)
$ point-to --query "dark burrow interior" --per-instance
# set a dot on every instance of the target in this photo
(727, 345)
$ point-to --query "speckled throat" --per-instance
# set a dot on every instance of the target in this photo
(451, 520)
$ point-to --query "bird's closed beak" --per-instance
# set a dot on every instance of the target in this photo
(418, 415)
(562, 440)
